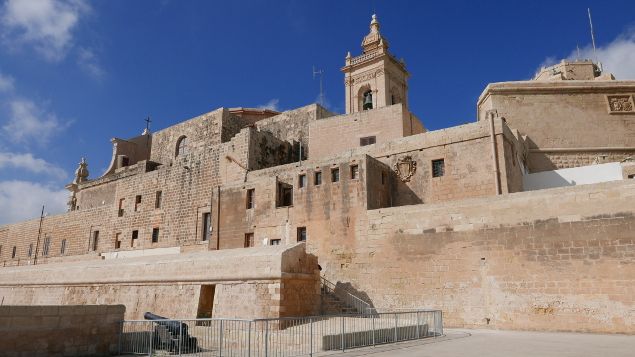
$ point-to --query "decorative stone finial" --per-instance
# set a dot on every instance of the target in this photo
(374, 24)
(81, 174)
(374, 39)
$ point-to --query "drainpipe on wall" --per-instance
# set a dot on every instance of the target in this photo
(218, 217)
(497, 180)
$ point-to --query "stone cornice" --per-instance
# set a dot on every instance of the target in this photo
(568, 87)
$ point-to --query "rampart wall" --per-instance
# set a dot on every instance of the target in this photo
(559, 259)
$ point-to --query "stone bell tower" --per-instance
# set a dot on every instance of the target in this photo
(375, 78)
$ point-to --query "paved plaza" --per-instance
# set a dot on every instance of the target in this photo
(493, 343)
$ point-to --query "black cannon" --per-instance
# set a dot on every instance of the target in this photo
(171, 335)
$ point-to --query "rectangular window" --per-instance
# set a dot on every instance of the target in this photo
(30, 252)
(354, 172)
(95, 241)
(122, 201)
(383, 178)
(63, 247)
(301, 234)
(251, 195)
(137, 203)
(14, 252)
(117, 240)
(249, 240)
(135, 236)
(47, 246)
(335, 175)
(318, 178)
(438, 168)
(157, 200)
(274, 242)
(631, 176)
(302, 181)
(285, 195)
(125, 161)
(368, 140)
(155, 235)
(207, 226)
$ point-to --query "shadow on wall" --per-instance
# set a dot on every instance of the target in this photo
(347, 287)
(402, 194)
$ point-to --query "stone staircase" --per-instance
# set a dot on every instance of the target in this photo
(337, 301)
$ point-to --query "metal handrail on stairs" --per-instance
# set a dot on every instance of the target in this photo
(346, 297)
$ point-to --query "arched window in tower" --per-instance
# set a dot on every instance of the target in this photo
(368, 100)
(395, 97)
(181, 146)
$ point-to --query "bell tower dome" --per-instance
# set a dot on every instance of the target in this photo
(375, 78)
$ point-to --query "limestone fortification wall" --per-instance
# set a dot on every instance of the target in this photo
(278, 281)
(559, 259)
(60, 330)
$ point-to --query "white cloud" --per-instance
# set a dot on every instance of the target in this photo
(6, 83)
(47, 25)
(618, 57)
(22, 200)
(30, 163)
(27, 122)
(271, 105)
(87, 60)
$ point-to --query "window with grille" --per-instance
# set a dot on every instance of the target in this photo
(47, 246)
(274, 242)
(155, 235)
(181, 146)
(438, 168)
(285, 195)
(301, 234)
(335, 175)
(354, 172)
(63, 247)
(251, 194)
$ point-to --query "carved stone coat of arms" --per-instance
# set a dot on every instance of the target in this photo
(405, 168)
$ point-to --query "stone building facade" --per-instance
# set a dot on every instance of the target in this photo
(407, 217)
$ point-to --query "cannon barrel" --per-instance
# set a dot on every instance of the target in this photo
(175, 327)
(151, 316)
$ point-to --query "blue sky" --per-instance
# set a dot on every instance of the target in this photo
(74, 73)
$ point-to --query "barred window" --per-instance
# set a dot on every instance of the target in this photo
(438, 168)
(47, 246)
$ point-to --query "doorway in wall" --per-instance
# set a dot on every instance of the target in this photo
(205, 301)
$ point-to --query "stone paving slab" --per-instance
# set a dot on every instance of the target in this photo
(495, 343)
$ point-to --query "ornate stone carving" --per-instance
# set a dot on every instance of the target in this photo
(368, 75)
(348, 81)
(620, 103)
(405, 168)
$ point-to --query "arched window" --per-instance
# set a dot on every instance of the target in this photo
(395, 97)
(181, 146)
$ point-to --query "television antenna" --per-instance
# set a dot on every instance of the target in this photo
(321, 74)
